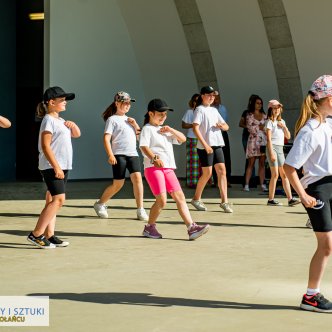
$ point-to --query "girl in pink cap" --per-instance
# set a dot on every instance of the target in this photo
(312, 150)
(276, 131)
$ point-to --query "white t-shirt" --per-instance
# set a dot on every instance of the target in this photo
(123, 136)
(312, 149)
(188, 117)
(60, 143)
(207, 117)
(277, 133)
(160, 144)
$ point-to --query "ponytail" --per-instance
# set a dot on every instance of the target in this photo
(146, 118)
(41, 110)
(309, 110)
(110, 110)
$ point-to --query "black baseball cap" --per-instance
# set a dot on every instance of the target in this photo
(57, 92)
(207, 90)
(158, 105)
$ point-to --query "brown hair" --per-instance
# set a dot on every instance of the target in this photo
(193, 101)
(269, 114)
(110, 110)
(41, 110)
(309, 110)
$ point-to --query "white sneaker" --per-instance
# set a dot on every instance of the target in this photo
(264, 188)
(226, 207)
(308, 224)
(101, 210)
(199, 205)
(142, 215)
(246, 188)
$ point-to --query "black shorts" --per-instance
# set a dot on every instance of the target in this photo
(321, 219)
(123, 163)
(206, 160)
(54, 186)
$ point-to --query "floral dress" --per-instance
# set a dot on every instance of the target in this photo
(257, 137)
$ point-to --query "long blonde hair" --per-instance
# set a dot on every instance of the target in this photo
(309, 110)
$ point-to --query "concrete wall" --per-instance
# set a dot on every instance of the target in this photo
(98, 47)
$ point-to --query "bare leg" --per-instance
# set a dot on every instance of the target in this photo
(206, 175)
(285, 183)
(273, 181)
(136, 179)
(48, 214)
(222, 181)
(111, 190)
(157, 207)
(320, 258)
(182, 206)
(251, 163)
(261, 169)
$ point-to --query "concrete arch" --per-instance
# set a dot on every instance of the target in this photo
(283, 55)
(197, 41)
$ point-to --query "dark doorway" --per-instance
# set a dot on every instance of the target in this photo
(29, 87)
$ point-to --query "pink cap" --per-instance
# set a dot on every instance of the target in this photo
(274, 103)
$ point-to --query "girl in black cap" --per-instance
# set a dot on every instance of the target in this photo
(55, 161)
(156, 143)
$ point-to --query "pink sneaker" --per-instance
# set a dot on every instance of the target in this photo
(196, 231)
(151, 232)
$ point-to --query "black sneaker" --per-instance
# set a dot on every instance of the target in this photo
(273, 202)
(293, 201)
(316, 303)
(57, 242)
(40, 241)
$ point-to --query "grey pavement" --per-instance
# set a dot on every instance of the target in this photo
(247, 273)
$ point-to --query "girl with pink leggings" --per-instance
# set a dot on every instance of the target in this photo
(156, 143)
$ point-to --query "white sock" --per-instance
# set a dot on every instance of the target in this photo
(189, 226)
(246, 186)
(312, 291)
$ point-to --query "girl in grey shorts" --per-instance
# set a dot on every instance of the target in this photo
(276, 131)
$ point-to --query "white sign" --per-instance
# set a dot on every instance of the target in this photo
(24, 311)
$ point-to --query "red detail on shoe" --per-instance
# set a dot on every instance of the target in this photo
(308, 298)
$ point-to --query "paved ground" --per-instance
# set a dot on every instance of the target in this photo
(246, 274)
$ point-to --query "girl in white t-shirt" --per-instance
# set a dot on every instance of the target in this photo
(276, 132)
(193, 169)
(206, 126)
(312, 150)
(55, 161)
(156, 143)
(120, 138)
(4, 122)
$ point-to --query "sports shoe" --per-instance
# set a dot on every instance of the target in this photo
(264, 188)
(308, 223)
(199, 205)
(57, 242)
(195, 231)
(293, 201)
(226, 207)
(101, 210)
(142, 215)
(40, 241)
(151, 232)
(316, 303)
(246, 188)
(273, 202)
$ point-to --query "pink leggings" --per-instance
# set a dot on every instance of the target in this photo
(161, 180)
